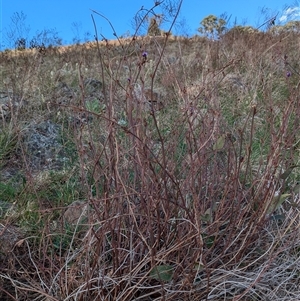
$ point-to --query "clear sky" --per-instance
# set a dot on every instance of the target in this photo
(72, 18)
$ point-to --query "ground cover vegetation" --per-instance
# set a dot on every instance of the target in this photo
(152, 168)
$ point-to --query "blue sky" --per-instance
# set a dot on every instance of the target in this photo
(72, 18)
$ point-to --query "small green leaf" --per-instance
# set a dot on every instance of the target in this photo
(206, 217)
(162, 272)
(277, 201)
(208, 240)
(94, 106)
(198, 267)
(287, 172)
(219, 143)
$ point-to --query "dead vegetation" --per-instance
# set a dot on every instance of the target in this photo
(183, 155)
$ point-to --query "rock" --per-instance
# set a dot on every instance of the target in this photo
(9, 236)
(43, 147)
(63, 94)
(92, 85)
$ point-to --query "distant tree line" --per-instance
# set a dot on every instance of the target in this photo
(214, 27)
(211, 26)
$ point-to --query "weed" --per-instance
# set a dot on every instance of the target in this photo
(183, 171)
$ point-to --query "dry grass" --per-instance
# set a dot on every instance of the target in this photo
(178, 164)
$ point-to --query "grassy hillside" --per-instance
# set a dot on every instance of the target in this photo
(153, 168)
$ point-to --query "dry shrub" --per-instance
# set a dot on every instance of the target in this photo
(194, 201)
